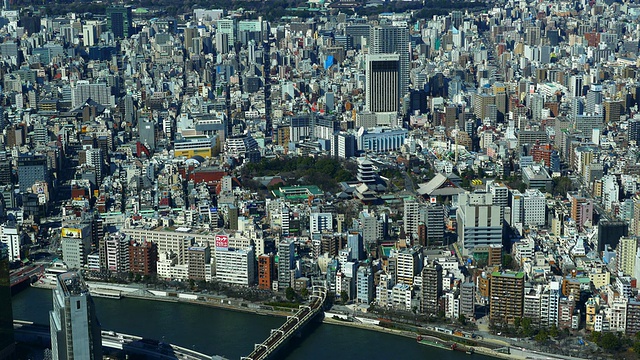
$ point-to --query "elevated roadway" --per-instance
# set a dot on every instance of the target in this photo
(29, 332)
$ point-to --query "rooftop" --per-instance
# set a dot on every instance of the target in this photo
(72, 283)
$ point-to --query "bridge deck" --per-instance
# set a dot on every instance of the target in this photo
(293, 324)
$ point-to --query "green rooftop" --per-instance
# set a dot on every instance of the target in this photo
(297, 192)
(513, 274)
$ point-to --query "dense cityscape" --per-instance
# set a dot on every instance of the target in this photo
(465, 175)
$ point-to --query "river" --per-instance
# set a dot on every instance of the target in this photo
(232, 334)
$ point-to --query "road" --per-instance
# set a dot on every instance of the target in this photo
(130, 344)
(408, 182)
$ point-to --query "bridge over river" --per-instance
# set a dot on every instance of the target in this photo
(293, 325)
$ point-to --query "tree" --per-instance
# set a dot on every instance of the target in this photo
(344, 297)
(290, 293)
(609, 341)
(527, 330)
(542, 336)
(304, 293)
(562, 185)
(507, 261)
(516, 322)
(553, 331)
(462, 320)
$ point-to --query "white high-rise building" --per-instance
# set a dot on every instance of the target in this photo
(610, 191)
(117, 252)
(98, 92)
(549, 302)
(409, 264)
(528, 209)
(411, 217)
(319, 222)
(479, 221)
(235, 266)
(535, 208)
(10, 236)
(95, 159)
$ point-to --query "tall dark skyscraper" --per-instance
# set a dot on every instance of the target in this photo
(266, 65)
(6, 312)
(31, 169)
(634, 130)
(382, 93)
(75, 330)
(119, 21)
(393, 40)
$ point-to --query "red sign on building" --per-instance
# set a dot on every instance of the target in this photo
(222, 241)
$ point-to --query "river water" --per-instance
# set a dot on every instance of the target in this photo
(232, 334)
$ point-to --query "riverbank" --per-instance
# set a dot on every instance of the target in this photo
(241, 306)
(408, 334)
(225, 303)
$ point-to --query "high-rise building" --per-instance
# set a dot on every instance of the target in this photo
(355, 243)
(75, 330)
(76, 245)
(528, 209)
(10, 236)
(575, 85)
(320, 222)
(32, 169)
(84, 90)
(626, 255)
(507, 297)
(432, 216)
(390, 40)
(467, 299)
(431, 288)
(7, 344)
(147, 132)
(594, 100)
(228, 27)
(143, 257)
(500, 194)
(549, 302)
(95, 159)
(411, 217)
(365, 289)
(612, 111)
(408, 265)
(479, 221)
(199, 258)
(610, 233)
(286, 263)
(634, 130)
(343, 145)
(116, 247)
(382, 93)
(119, 21)
(581, 209)
(235, 266)
(266, 271)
